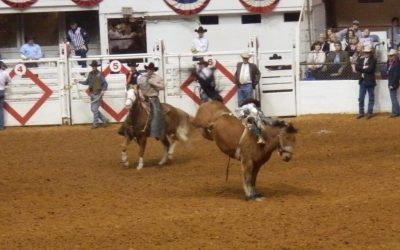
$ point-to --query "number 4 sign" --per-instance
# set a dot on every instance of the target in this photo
(20, 69)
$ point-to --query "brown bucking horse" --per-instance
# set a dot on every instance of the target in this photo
(137, 127)
(235, 140)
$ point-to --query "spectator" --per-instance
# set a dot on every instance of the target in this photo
(355, 28)
(393, 33)
(247, 77)
(97, 86)
(346, 41)
(200, 43)
(332, 40)
(150, 85)
(324, 43)
(206, 79)
(31, 51)
(79, 39)
(393, 72)
(352, 46)
(133, 75)
(315, 62)
(5, 79)
(337, 63)
(366, 66)
(354, 58)
(366, 39)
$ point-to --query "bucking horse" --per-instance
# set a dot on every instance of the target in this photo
(234, 139)
(137, 127)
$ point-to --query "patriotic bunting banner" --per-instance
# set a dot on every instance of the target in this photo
(87, 3)
(187, 7)
(19, 4)
(259, 6)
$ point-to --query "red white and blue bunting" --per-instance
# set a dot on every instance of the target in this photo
(187, 7)
(19, 4)
(259, 6)
(87, 3)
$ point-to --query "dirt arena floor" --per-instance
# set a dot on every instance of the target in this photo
(64, 188)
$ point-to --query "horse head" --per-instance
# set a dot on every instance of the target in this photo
(286, 139)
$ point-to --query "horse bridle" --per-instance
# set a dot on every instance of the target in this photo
(283, 148)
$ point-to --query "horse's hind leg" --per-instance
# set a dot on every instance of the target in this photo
(172, 145)
(124, 154)
(142, 146)
(166, 144)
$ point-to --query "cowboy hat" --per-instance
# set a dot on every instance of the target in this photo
(392, 52)
(367, 49)
(133, 64)
(151, 67)
(94, 63)
(356, 22)
(202, 62)
(200, 30)
(245, 55)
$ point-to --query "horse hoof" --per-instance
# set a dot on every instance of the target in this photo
(255, 197)
(170, 157)
(139, 167)
(126, 163)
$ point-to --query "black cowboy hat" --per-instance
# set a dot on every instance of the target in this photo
(94, 63)
(202, 62)
(151, 67)
(2, 65)
(133, 64)
(200, 30)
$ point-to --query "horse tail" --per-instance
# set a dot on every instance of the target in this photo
(227, 170)
(183, 129)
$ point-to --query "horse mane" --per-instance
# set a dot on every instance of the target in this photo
(289, 128)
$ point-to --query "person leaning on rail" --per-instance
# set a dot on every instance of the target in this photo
(5, 79)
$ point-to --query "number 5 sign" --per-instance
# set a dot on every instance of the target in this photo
(20, 69)
(115, 66)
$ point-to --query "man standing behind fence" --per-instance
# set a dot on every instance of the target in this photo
(97, 86)
(79, 39)
(247, 77)
(4, 80)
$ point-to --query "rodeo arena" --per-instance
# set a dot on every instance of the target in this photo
(199, 124)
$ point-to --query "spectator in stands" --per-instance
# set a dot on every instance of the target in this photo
(337, 63)
(366, 65)
(355, 28)
(79, 39)
(97, 86)
(393, 33)
(200, 43)
(5, 79)
(315, 62)
(324, 43)
(31, 51)
(346, 40)
(247, 76)
(332, 40)
(366, 39)
(133, 75)
(352, 46)
(354, 58)
(393, 72)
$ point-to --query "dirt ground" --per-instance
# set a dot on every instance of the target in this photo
(64, 188)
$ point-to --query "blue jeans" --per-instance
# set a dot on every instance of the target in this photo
(395, 102)
(361, 97)
(1, 109)
(95, 101)
(82, 54)
(245, 91)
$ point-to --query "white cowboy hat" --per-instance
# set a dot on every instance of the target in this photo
(392, 52)
(245, 55)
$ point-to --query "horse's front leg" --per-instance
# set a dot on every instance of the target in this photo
(166, 145)
(124, 154)
(142, 147)
(171, 150)
(249, 177)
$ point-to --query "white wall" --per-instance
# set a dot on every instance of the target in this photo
(317, 97)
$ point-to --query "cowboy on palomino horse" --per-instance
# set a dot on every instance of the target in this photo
(233, 139)
(148, 117)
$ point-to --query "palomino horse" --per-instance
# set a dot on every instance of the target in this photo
(137, 127)
(235, 140)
